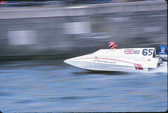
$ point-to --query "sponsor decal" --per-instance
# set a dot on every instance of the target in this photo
(131, 51)
(128, 51)
(162, 49)
(136, 51)
(138, 67)
(104, 61)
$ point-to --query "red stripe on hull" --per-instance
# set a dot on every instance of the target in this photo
(137, 66)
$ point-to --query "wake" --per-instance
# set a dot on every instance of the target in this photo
(161, 69)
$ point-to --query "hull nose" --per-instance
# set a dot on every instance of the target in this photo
(71, 61)
(80, 61)
(67, 61)
(75, 60)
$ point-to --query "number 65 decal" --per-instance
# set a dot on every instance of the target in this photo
(147, 52)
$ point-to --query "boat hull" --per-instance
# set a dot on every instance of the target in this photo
(97, 65)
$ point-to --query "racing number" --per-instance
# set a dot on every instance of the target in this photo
(147, 52)
(144, 52)
(150, 51)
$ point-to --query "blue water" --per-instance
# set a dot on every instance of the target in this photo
(53, 86)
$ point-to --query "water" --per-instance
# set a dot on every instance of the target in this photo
(53, 86)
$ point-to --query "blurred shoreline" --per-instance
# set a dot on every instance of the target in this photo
(63, 32)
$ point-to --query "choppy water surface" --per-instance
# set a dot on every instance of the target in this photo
(53, 86)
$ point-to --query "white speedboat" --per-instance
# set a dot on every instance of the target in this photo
(126, 59)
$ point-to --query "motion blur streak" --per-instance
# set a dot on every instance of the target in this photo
(57, 32)
(42, 86)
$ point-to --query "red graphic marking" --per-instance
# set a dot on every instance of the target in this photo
(137, 66)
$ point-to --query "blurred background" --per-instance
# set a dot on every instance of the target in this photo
(37, 36)
(56, 29)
